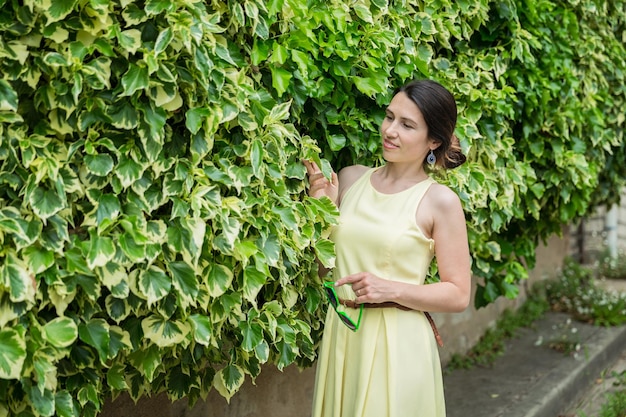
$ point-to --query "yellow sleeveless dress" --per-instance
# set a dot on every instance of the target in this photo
(390, 366)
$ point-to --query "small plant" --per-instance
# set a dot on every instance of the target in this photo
(610, 267)
(575, 292)
(567, 340)
(616, 406)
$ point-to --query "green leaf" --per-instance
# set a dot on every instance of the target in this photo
(100, 250)
(147, 361)
(252, 335)
(219, 279)
(38, 259)
(128, 171)
(287, 354)
(287, 217)
(64, 404)
(8, 97)
(256, 156)
(45, 203)
(194, 118)
(280, 80)
(42, 400)
(109, 208)
(116, 377)
(202, 329)
(12, 352)
(95, 333)
(154, 284)
(60, 332)
(136, 78)
(184, 281)
(228, 380)
(59, 9)
(253, 281)
(164, 332)
(163, 40)
(325, 252)
(101, 164)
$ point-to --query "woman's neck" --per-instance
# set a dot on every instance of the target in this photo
(392, 172)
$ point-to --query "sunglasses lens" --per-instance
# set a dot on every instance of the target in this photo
(347, 321)
(332, 297)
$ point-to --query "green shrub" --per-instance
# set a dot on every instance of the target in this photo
(612, 267)
(151, 184)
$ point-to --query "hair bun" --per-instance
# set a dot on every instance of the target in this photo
(454, 156)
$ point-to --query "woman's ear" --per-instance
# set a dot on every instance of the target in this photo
(434, 144)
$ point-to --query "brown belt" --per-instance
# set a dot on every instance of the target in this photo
(353, 304)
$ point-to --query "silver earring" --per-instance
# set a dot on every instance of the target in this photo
(431, 158)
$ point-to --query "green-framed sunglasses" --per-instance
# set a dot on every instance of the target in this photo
(333, 298)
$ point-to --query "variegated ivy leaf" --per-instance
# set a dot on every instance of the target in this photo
(136, 78)
(61, 298)
(101, 164)
(12, 352)
(64, 405)
(45, 202)
(95, 333)
(8, 97)
(44, 368)
(289, 296)
(228, 380)
(88, 393)
(117, 308)
(252, 334)
(219, 279)
(262, 351)
(185, 282)
(154, 284)
(101, 250)
(164, 332)
(60, 332)
(128, 171)
(151, 130)
(57, 10)
(108, 208)
(202, 329)
(119, 341)
(17, 279)
(192, 244)
(111, 274)
(25, 232)
(116, 377)
(325, 252)
(9, 311)
(253, 281)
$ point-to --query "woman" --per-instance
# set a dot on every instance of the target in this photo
(384, 362)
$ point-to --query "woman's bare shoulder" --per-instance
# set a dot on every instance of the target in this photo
(348, 176)
(442, 198)
(353, 171)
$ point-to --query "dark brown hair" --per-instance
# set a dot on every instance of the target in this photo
(438, 108)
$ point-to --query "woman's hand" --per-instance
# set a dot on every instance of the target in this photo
(368, 287)
(320, 186)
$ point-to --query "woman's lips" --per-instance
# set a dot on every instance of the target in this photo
(389, 145)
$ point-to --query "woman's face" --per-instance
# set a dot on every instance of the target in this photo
(404, 132)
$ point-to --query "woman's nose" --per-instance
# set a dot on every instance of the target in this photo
(390, 129)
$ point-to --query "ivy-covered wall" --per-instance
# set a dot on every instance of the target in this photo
(155, 233)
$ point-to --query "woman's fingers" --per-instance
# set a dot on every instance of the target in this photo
(311, 167)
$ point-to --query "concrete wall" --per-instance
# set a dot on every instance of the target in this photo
(289, 393)
(590, 237)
